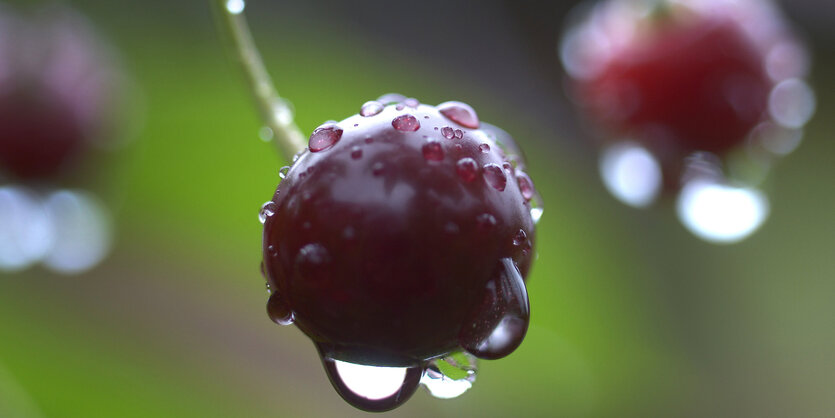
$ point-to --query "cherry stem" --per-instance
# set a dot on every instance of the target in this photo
(275, 111)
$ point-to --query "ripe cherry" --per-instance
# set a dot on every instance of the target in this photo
(57, 85)
(692, 97)
(402, 234)
(681, 77)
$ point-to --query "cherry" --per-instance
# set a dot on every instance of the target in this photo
(56, 80)
(400, 235)
(683, 77)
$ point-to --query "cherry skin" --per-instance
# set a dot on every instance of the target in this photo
(391, 244)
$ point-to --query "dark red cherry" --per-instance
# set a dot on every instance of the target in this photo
(57, 83)
(699, 85)
(397, 243)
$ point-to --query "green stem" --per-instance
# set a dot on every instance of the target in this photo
(275, 111)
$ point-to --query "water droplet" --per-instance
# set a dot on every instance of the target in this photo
(406, 123)
(460, 113)
(494, 175)
(278, 311)
(432, 151)
(356, 152)
(484, 148)
(324, 137)
(372, 388)
(631, 174)
(371, 108)
(391, 98)
(536, 214)
(525, 185)
(499, 323)
(485, 222)
(267, 209)
(520, 238)
(451, 376)
(447, 132)
(467, 169)
(451, 228)
(272, 251)
(400, 107)
(282, 172)
(458, 134)
(266, 134)
(377, 168)
(412, 102)
(720, 213)
(235, 7)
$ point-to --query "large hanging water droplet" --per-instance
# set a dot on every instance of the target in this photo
(451, 376)
(406, 123)
(372, 388)
(371, 108)
(460, 113)
(267, 209)
(720, 213)
(324, 137)
(278, 310)
(499, 323)
(495, 176)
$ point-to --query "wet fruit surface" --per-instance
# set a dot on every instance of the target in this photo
(388, 248)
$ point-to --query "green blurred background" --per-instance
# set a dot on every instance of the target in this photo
(632, 316)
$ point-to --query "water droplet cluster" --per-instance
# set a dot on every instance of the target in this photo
(724, 78)
(358, 241)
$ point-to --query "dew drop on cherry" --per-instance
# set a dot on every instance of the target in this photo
(406, 123)
(499, 322)
(458, 134)
(520, 238)
(377, 169)
(432, 151)
(447, 132)
(412, 102)
(484, 148)
(324, 137)
(356, 152)
(282, 172)
(467, 169)
(278, 311)
(460, 113)
(485, 221)
(371, 108)
(495, 176)
(525, 185)
(390, 98)
(267, 209)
